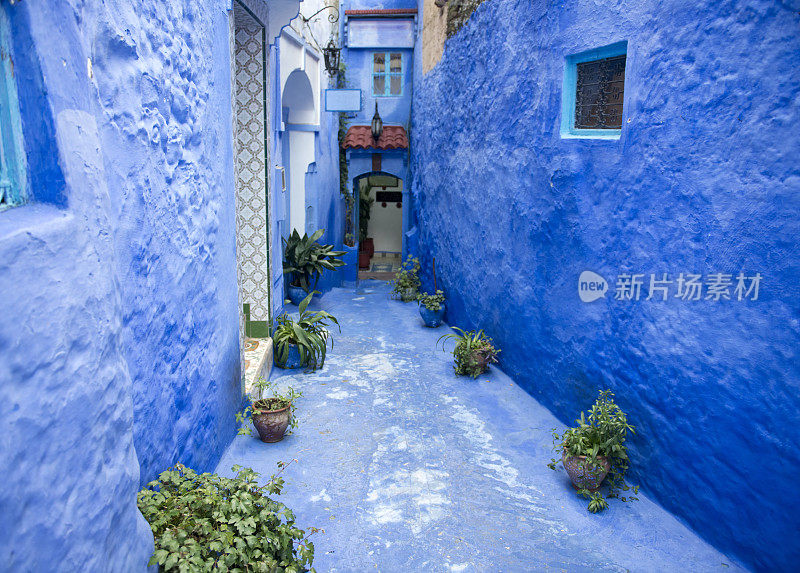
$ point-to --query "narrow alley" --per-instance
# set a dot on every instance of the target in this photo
(408, 467)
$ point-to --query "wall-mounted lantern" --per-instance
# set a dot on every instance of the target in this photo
(377, 124)
(331, 53)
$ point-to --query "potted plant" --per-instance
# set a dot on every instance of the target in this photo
(302, 342)
(304, 260)
(271, 413)
(473, 353)
(406, 282)
(363, 259)
(594, 449)
(365, 202)
(431, 308)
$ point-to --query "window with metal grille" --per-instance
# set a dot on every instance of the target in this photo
(594, 93)
(387, 74)
(598, 93)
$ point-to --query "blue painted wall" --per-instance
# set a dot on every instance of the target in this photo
(705, 178)
(322, 190)
(378, 4)
(394, 110)
(118, 330)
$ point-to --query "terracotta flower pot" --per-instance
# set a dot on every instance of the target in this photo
(369, 246)
(583, 474)
(363, 260)
(272, 425)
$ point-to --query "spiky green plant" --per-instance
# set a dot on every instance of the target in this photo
(473, 352)
(304, 259)
(309, 333)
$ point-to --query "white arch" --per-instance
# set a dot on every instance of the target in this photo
(298, 99)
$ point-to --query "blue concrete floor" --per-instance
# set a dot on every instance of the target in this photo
(410, 468)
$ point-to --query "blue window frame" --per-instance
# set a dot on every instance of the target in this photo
(12, 155)
(593, 93)
(387, 74)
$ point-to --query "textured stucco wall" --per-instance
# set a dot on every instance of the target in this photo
(705, 178)
(119, 328)
(69, 467)
(161, 74)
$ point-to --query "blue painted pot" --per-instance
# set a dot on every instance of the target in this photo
(432, 318)
(296, 294)
(293, 360)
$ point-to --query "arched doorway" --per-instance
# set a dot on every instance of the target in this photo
(300, 121)
(379, 221)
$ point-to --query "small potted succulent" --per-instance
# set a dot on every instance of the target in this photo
(304, 260)
(431, 308)
(405, 285)
(473, 352)
(302, 342)
(272, 412)
(594, 449)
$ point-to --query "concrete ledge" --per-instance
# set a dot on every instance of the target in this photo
(258, 361)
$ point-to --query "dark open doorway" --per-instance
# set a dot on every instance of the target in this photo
(379, 221)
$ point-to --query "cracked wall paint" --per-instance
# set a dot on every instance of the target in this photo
(703, 179)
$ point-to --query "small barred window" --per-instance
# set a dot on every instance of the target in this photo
(599, 91)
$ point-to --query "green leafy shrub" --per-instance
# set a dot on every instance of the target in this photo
(309, 333)
(602, 433)
(406, 281)
(473, 353)
(205, 522)
(304, 259)
(432, 301)
(266, 402)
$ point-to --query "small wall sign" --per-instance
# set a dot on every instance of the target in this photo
(342, 100)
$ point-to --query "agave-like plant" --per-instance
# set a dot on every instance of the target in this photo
(309, 333)
(304, 259)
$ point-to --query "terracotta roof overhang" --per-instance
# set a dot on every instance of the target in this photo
(382, 12)
(360, 137)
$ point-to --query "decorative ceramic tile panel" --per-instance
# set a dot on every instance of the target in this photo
(252, 215)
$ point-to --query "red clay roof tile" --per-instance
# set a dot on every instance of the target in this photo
(360, 137)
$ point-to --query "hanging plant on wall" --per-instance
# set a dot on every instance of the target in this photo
(344, 173)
